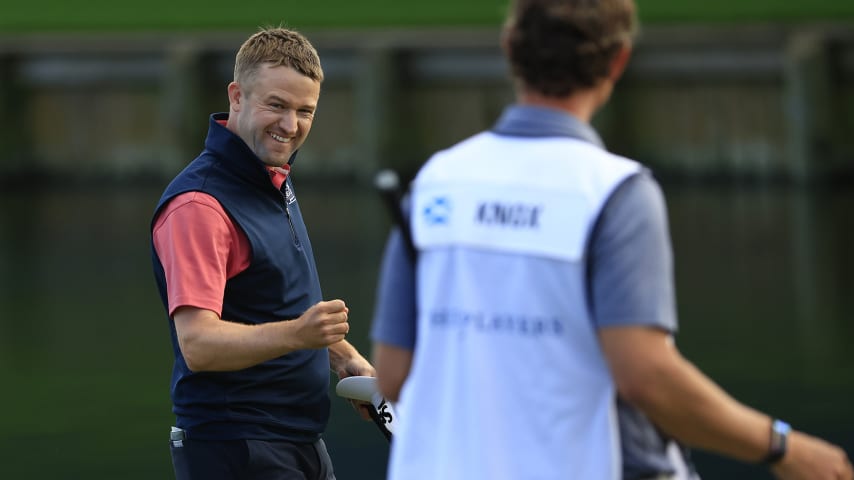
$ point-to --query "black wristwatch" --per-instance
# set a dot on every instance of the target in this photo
(779, 437)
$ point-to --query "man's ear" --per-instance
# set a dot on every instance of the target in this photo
(234, 96)
(504, 41)
(620, 61)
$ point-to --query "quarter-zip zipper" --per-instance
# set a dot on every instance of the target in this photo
(290, 220)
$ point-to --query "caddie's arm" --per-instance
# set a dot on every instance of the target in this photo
(651, 374)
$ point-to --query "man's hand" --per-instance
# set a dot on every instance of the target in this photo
(346, 361)
(323, 324)
(811, 458)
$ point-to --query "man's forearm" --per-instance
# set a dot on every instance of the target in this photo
(346, 361)
(211, 344)
(340, 352)
(393, 364)
(681, 400)
(689, 406)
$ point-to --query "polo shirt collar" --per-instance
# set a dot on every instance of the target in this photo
(535, 121)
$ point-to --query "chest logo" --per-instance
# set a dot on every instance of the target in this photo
(289, 195)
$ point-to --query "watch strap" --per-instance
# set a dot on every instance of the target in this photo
(779, 440)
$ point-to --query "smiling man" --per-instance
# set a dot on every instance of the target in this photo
(272, 109)
(253, 338)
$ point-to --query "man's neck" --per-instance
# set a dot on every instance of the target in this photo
(582, 105)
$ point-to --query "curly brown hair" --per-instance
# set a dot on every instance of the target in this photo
(277, 47)
(556, 47)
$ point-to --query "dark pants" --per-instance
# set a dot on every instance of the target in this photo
(250, 460)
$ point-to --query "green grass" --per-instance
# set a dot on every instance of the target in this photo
(171, 15)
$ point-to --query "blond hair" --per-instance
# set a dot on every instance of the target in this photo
(277, 47)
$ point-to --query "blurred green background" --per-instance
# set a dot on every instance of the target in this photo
(743, 109)
(100, 15)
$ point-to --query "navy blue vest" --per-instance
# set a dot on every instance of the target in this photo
(284, 398)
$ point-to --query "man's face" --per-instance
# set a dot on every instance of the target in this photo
(273, 112)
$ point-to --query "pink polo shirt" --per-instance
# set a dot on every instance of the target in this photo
(200, 247)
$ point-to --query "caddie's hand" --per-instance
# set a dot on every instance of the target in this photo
(811, 458)
(323, 324)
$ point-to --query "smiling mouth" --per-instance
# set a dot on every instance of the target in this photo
(279, 138)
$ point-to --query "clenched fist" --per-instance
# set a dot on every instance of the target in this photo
(323, 324)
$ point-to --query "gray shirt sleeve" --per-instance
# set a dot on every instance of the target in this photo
(630, 263)
(630, 279)
(394, 320)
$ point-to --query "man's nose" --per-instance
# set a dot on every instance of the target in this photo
(288, 121)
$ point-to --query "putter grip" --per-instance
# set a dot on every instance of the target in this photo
(364, 389)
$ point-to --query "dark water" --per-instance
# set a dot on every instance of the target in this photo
(763, 278)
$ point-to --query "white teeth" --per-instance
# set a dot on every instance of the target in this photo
(279, 138)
